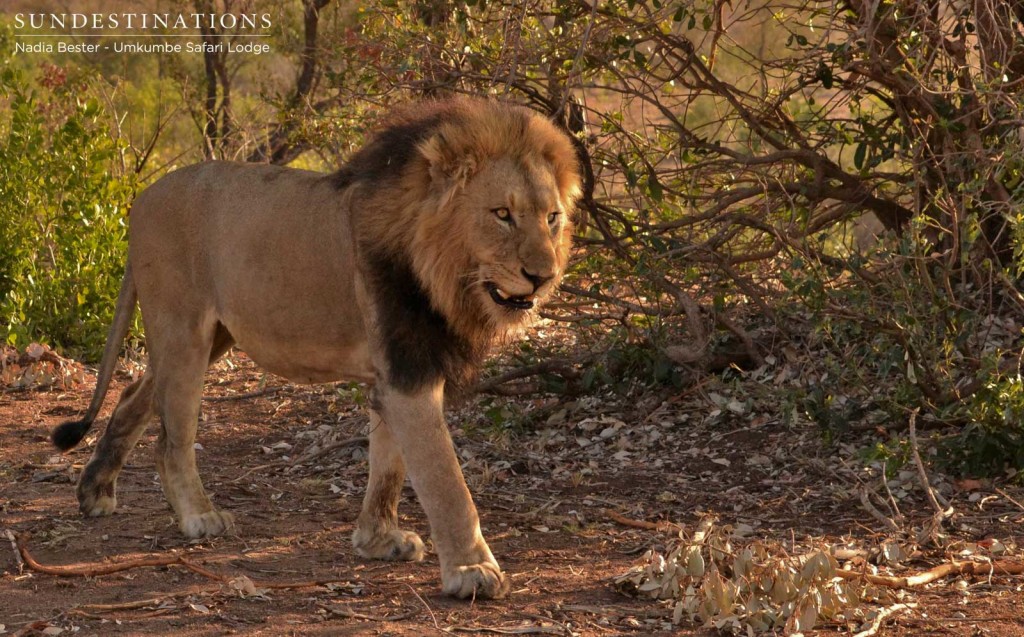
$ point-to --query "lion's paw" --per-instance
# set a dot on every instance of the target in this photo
(95, 499)
(94, 505)
(207, 524)
(479, 581)
(394, 545)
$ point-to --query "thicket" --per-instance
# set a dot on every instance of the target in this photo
(737, 152)
(63, 210)
(841, 179)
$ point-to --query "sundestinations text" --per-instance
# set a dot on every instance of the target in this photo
(200, 21)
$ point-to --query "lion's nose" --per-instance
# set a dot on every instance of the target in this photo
(537, 279)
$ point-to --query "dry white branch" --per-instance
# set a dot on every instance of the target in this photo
(942, 512)
(882, 615)
(865, 501)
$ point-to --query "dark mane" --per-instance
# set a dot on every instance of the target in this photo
(393, 146)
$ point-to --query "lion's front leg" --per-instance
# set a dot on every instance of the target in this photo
(416, 420)
(377, 535)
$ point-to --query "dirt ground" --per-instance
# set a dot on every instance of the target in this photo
(548, 495)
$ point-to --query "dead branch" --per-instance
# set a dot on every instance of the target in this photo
(266, 391)
(92, 569)
(865, 501)
(564, 367)
(17, 553)
(888, 493)
(939, 572)
(351, 614)
(615, 516)
(348, 442)
(882, 615)
(1009, 497)
(139, 603)
(326, 449)
(941, 514)
(518, 630)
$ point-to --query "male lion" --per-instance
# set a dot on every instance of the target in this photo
(398, 270)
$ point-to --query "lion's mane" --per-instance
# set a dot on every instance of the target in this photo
(405, 187)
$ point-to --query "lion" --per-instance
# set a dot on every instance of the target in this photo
(441, 235)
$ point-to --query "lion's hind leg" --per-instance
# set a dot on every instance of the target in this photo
(377, 535)
(98, 482)
(179, 389)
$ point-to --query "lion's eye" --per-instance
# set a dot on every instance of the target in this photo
(503, 214)
(553, 218)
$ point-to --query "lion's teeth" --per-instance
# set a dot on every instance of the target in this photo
(501, 293)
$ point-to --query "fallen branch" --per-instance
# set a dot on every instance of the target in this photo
(348, 442)
(1005, 495)
(882, 615)
(942, 510)
(941, 514)
(564, 367)
(939, 572)
(17, 554)
(323, 451)
(93, 569)
(640, 524)
(266, 391)
(351, 614)
(865, 501)
(520, 630)
(137, 604)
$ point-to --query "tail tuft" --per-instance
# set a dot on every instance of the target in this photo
(70, 433)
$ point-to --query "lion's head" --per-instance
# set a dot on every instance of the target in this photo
(485, 194)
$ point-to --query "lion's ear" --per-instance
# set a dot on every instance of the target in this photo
(451, 165)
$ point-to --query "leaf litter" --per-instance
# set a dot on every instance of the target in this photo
(779, 511)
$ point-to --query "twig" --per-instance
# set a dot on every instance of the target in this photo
(881, 617)
(564, 367)
(425, 605)
(137, 604)
(997, 489)
(615, 516)
(929, 529)
(356, 440)
(345, 612)
(17, 553)
(888, 492)
(865, 502)
(195, 568)
(932, 495)
(323, 451)
(520, 630)
(252, 394)
(260, 467)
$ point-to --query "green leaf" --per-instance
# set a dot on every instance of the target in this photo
(654, 187)
(859, 154)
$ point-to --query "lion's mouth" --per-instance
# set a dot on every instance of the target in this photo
(506, 300)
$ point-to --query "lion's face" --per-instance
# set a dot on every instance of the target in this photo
(483, 214)
(517, 232)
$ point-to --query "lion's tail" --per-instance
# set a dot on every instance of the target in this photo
(68, 434)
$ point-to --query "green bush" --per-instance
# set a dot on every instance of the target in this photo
(63, 208)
